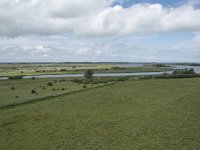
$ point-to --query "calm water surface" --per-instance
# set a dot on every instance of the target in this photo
(97, 75)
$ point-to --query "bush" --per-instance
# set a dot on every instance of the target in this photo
(63, 89)
(33, 91)
(84, 86)
(123, 79)
(183, 71)
(15, 77)
(77, 80)
(97, 80)
(49, 83)
(12, 88)
(33, 78)
(16, 96)
(62, 70)
(175, 76)
(118, 68)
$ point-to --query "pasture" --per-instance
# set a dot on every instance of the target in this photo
(19, 91)
(150, 114)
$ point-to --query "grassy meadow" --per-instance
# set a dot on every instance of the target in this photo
(18, 91)
(150, 114)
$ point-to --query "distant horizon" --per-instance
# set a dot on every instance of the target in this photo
(92, 62)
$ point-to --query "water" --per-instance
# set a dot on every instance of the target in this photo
(97, 75)
(129, 74)
(196, 68)
(3, 78)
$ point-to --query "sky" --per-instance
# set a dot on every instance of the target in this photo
(99, 30)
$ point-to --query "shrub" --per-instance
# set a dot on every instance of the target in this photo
(183, 71)
(33, 91)
(122, 79)
(15, 77)
(77, 80)
(63, 89)
(33, 78)
(12, 88)
(49, 83)
(118, 68)
(84, 86)
(62, 70)
(16, 96)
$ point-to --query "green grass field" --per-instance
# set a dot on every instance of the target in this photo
(145, 114)
(19, 91)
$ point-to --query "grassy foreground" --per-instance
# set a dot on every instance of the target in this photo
(146, 114)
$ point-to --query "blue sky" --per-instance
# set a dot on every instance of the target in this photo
(128, 3)
(100, 30)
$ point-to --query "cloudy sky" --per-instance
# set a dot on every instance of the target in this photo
(100, 30)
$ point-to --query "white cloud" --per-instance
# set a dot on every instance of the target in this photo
(41, 49)
(93, 17)
(82, 51)
(74, 8)
(98, 52)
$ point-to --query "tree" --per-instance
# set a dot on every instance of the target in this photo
(191, 71)
(89, 73)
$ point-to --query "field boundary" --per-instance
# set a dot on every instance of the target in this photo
(31, 101)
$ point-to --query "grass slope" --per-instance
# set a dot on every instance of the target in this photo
(150, 114)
